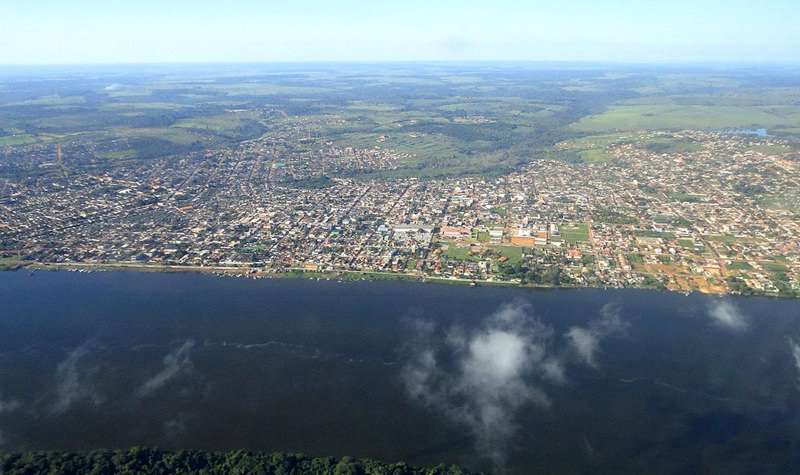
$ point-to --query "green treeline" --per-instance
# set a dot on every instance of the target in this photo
(152, 460)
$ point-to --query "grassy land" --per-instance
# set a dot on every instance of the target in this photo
(18, 139)
(725, 238)
(771, 149)
(451, 251)
(481, 236)
(655, 234)
(590, 149)
(774, 266)
(671, 116)
(634, 259)
(224, 123)
(11, 263)
(513, 253)
(739, 265)
(420, 146)
(449, 123)
(573, 233)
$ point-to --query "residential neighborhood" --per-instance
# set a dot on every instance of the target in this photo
(721, 217)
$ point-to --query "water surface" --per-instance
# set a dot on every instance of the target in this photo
(489, 378)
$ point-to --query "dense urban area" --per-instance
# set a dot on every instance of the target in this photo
(681, 220)
(683, 210)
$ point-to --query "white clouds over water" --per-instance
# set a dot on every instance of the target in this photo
(486, 374)
(71, 384)
(795, 347)
(8, 406)
(586, 341)
(482, 377)
(175, 363)
(726, 315)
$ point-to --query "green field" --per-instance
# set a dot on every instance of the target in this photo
(774, 266)
(725, 239)
(573, 233)
(18, 139)
(513, 253)
(420, 146)
(225, 123)
(668, 116)
(739, 265)
(471, 120)
(771, 149)
(458, 253)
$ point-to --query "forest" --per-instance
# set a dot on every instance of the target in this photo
(139, 460)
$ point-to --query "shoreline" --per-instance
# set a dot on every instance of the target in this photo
(297, 273)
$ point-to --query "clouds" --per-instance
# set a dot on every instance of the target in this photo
(75, 378)
(488, 376)
(726, 315)
(175, 363)
(586, 341)
(480, 378)
(71, 383)
(795, 347)
(585, 344)
(8, 406)
(795, 350)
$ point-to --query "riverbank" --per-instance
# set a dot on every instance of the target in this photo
(344, 275)
(236, 271)
(296, 273)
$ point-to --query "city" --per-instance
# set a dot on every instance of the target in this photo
(682, 220)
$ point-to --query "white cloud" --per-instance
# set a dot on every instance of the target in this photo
(586, 341)
(726, 315)
(585, 344)
(496, 369)
(8, 406)
(795, 347)
(175, 363)
(71, 386)
(481, 378)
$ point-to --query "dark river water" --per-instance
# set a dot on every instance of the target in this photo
(489, 378)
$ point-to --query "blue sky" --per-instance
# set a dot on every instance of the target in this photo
(134, 31)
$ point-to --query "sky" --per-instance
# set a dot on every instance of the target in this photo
(150, 31)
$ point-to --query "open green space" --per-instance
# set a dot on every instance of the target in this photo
(774, 266)
(726, 239)
(635, 258)
(18, 139)
(10, 263)
(739, 265)
(702, 117)
(470, 120)
(481, 236)
(771, 149)
(458, 253)
(572, 233)
(653, 234)
(512, 253)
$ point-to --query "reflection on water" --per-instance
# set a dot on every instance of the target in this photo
(569, 380)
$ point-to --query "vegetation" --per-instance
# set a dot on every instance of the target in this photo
(740, 265)
(691, 116)
(149, 460)
(573, 233)
(443, 121)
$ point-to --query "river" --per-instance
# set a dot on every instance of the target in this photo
(500, 379)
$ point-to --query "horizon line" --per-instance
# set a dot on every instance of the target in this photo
(419, 61)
